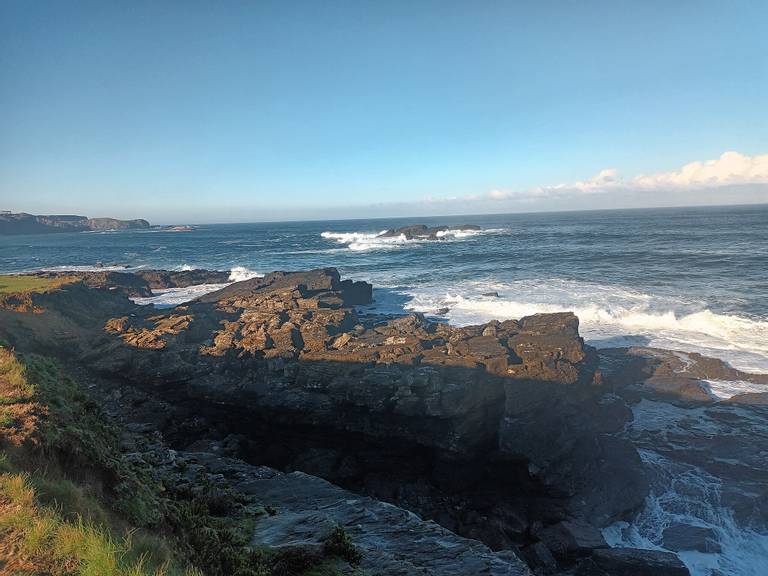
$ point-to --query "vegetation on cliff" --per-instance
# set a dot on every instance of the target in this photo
(72, 503)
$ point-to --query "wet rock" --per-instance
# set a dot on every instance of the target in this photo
(632, 562)
(571, 538)
(539, 557)
(750, 398)
(164, 279)
(679, 537)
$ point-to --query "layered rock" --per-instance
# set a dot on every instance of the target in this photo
(501, 432)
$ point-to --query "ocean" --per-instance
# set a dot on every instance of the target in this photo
(693, 279)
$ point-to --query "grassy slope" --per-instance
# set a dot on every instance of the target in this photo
(71, 504)
(13, 284)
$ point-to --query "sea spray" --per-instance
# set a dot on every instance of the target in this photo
(686, 494)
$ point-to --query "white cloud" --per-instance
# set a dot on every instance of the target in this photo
(730, 169)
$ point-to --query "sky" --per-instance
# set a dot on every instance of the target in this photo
(245, 111)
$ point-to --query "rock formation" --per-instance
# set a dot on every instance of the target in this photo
(506, 432)
(424, 232)
(23, 223)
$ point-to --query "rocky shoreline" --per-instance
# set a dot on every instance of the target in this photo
(506, 442)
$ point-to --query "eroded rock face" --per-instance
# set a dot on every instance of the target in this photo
(496, 431)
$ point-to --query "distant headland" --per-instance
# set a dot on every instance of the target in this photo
(23, 223)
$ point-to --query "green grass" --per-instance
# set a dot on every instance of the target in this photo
(50, 542)
(73, 500)
(12, 283)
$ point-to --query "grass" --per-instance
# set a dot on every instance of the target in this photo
(71, 504)
(13, 283)
(48, 522)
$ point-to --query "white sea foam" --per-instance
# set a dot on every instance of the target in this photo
(363, 241)
(685, 494)
(171, 297)
(609, 316)
(729, 388)
(240, 273)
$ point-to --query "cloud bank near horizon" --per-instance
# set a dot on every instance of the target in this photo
(731, 170)
(732, 178)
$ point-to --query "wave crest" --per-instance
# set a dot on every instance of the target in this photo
(240, 273)
(361, 241)
(609, 316)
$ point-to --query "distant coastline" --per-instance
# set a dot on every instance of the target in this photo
(23, 223)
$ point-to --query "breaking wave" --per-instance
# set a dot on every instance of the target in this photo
(609, 316)
(171, 297)
(361, 241)
(686, 494)
(240, 273)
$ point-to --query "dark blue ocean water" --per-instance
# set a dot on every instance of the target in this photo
(691, 278)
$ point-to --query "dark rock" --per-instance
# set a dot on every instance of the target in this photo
(679, 537)
(491, 294)
(439, 418)
(750, 398)
(162, 279)
(539, 557)
(392, 541)
(571, 538)
(632, 562)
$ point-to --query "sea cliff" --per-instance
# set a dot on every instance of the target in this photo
(507, 443)
(23, 223)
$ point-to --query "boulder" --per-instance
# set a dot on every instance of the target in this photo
(632, 562)
(680, 537)
(571, 538)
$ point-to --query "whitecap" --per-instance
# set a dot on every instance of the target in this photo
(364, 241)
(726, 389)
(170, 297)
(240, 273)
(609, 316)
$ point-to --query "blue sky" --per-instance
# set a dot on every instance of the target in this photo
(227, 111)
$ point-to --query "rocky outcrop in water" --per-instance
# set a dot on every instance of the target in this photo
(424, 232)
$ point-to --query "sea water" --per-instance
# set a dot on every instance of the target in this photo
(693, 279)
